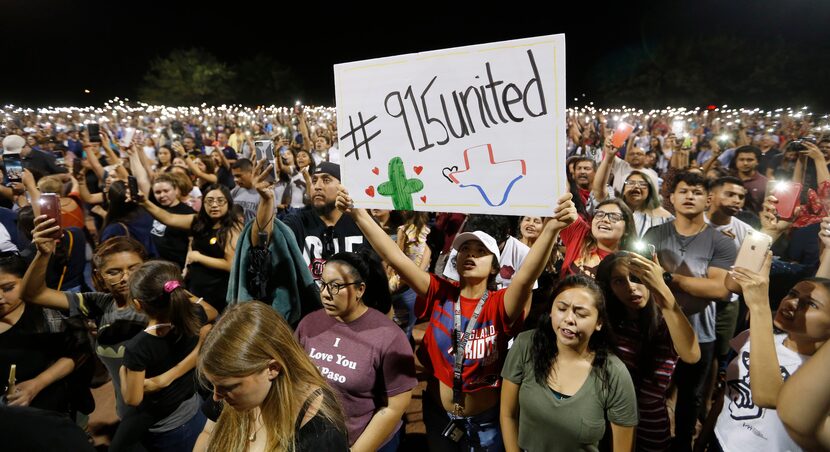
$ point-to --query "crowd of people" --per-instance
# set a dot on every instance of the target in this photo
(209, 262)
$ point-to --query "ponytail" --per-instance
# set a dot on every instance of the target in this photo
(157, 286)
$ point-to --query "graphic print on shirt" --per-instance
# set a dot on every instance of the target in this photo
(313, 251)
(158, 228)
(335, 366)
(741, 405)
(481, 346)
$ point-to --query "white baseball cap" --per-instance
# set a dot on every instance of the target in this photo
(486, 239)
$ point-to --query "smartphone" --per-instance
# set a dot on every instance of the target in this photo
(127, 138)
(50, 205)
(14, 167)
(76, 166)
(621, 133)
(59, 158)
(264, 150)
(94, 131)
(647, 250)
(753, 251)
(132, 185)
(788, 195)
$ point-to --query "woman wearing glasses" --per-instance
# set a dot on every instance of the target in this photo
(639, 194)
(363, 354)
(611, 229)
(215, 230)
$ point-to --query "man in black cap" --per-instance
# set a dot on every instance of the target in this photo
(322, 230)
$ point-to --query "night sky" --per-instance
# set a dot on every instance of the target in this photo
(54, 50)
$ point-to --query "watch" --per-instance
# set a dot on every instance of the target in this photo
(668, 278)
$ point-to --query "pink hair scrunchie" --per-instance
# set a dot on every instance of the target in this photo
(172, 285)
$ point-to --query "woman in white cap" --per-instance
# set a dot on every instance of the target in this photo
(461, 406)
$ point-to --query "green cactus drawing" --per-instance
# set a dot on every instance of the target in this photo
(399, 187)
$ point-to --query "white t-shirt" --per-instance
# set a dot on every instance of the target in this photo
(512, 256)
(622, 169)
(737, 229)
(741, 424)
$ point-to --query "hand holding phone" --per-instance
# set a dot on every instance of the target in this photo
(621, 133)
(788, 195)
(132, 186)
(753, 251)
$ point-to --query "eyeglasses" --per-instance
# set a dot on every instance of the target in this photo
(637, 183)
(117, 274)
(334, 288)
(612, 217)
(215, 201)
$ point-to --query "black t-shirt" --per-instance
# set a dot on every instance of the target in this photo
(208, 282)
(225, 177)
(33, 346)
(157, 354)
(171, 243)
(317, 434)
(319, 242)
(44, 431)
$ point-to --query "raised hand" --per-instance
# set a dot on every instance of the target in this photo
(260, 180)
(564, 214)
(45, 228)
(344, 202)
(755, 286)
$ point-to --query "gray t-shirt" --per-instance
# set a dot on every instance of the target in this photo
(248, 199)
(693, 256)
(115, 327)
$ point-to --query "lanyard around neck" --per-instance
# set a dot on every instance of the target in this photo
(460, 341)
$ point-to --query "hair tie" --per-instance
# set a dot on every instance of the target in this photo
(171, 285)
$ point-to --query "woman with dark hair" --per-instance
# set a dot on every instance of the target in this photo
(767, 354)
(127, 218)
(116, 322)
(611, 229)
(462, 394)
(169, 419)
(364, 355)
(562, 380)
(639, 194)
(651, 331)
(215, 230)
(34, 340)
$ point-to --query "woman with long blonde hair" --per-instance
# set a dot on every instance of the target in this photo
(271, 395)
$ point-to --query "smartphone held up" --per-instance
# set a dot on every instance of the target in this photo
(50, 205)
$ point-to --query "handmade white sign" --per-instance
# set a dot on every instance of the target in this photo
(478, 129)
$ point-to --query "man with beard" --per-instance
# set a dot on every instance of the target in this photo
(323, 231)
(635, 159)
(583, 174)
(746, 164)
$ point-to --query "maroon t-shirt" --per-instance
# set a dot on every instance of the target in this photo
(365, 361)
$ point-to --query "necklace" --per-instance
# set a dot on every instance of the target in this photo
(252, 436)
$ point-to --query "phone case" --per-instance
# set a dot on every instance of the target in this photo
(621, 134)
(50, 205)
(788, 199)
(753, 251)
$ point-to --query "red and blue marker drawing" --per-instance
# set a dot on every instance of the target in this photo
(492, 179)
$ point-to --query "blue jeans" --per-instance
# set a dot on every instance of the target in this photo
(180, 438)
(393, 443)
(404, 305)
(483, 433)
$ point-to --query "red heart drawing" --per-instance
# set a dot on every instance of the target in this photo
(376, 170)
(371, 191)
(424, 199)
(418, 169)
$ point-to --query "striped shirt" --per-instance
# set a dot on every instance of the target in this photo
(653, 432)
